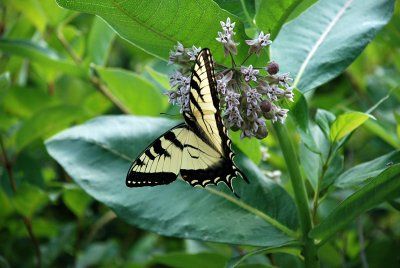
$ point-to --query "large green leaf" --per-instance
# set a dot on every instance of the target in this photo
(320, 43)
(358, 175)
(156, 26)
(379, 189)
(98, 154)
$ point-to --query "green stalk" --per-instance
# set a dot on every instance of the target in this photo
(319, 183)
(300, 195)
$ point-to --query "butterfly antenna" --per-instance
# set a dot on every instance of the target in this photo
(171, 115)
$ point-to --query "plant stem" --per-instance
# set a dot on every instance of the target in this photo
(27, 221)
(67, 47)
(319, 182)
(248, 56)
(300, 195)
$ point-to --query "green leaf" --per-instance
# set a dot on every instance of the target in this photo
(159, 78)
(199, 260)
(325, 119)
(335, 167)
(44, 227)
(139, 22)
(358, 175)
(54, 13)
(29, 199)
(46, 122)
(250, 147)
(383, 131)
(101, 37)
(77, 201)
(346, 123)
(304, 5)
(139, 96)
(99, 153)
(320, 43)
(311, 164)
(272, 15)
(379, 189)
(245, 10)
(45, 57)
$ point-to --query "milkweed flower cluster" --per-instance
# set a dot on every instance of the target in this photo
(248, 95)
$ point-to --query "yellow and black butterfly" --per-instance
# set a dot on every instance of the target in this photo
(200, 149)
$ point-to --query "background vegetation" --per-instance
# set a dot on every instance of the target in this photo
(59, 199)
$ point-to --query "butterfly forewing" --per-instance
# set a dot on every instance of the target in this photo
(204, 101)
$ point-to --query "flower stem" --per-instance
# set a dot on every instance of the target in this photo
(248, 56)
(300, 195)
(96, 81)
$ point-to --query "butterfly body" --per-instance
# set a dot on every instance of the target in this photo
(199, 149)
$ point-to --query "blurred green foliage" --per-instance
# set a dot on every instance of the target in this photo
(60, 67)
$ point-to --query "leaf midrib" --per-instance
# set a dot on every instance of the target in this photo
(320, 41)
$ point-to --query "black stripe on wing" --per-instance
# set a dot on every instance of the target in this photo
(140, 173)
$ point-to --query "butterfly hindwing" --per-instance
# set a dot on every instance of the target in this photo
(203, 165)
(161, 161)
